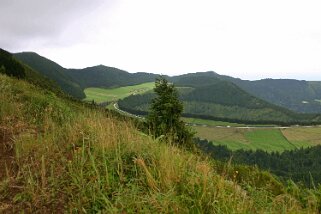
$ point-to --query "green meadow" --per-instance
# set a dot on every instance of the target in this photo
(198, 121)
(268, 139)
(100, 95)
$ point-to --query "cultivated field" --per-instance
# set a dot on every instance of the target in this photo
(268, 139)
(100, 95)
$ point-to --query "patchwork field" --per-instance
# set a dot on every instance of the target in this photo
(268, 139)
(100, 95)
(234, 135)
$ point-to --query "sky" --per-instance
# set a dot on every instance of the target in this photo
(249, 39)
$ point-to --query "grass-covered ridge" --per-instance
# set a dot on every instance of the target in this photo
(71, 158)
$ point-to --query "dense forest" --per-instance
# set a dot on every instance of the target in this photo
(302, 165)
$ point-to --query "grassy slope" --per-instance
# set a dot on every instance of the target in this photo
(106, 95)
(264, 139)
(75, 159)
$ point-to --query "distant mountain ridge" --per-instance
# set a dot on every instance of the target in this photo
(296, 95)
(52, 71)
(106, 77)
(10, 66)
(74, 81)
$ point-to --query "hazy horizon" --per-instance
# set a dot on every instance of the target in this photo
(245, 39)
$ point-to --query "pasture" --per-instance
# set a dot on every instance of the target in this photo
(268, 139)
(100, 95)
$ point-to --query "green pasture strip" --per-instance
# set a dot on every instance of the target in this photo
(267, 139)
(100, 95)
(210, 122)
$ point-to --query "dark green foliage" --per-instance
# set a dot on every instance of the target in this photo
(164, 117)
(300, 96)
(9, 66)
(301, 165)
(52, 71)
(221, 100)
(107, 77)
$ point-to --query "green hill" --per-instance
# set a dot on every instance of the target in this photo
(213, 98)
(300, 96)
(59, 155)
(10, 66)
(52, 71)
(108, 77)
(74, 81)
(296, 95)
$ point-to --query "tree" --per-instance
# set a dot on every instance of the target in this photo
(165, 114)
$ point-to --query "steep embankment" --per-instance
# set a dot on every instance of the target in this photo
(72, 158)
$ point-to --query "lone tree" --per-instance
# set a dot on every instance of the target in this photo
(165, 114)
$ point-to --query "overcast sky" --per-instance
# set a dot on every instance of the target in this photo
(250, 39)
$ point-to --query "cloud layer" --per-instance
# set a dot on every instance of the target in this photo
(251, 39)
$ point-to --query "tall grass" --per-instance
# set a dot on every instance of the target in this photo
(79, 160)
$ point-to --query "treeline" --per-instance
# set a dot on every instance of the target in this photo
(302, 165)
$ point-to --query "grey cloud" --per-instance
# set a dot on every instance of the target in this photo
(22, 21)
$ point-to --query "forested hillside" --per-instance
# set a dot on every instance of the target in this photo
(107, 77)
(297, 95)
(10, 66)
(52, 71)
(209, 97)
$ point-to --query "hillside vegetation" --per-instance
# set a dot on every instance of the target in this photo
(52, 71)
(108, 77)
(297, 95)
(303, 165)
(66, 157)
(74, 81)
(215, 99)
(102, 95)
(267, 139)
